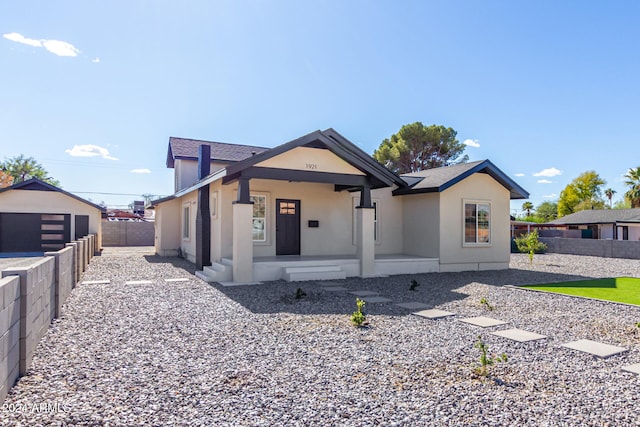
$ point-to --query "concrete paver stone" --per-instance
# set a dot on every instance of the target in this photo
(596, 348)
(483, 322)
(634, 369)
(413, 305)
(519, 335)
(363, 293)
(375, 299)
(96, 282)
(434, 313)
(335, 288)
(328, 283)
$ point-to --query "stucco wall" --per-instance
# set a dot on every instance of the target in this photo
(188, 245)
(52, 202)
(186, 172)
(421, 220)
(168, 228)
(454, 256)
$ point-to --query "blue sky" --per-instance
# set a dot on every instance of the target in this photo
(93, 90)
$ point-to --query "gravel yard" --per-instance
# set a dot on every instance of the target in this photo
(190, 353)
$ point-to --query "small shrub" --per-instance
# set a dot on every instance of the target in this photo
(485, 302)
(300, 293)
(414, 285)
(486, 360)
(358, 318)
(529, 244)
(637, 324)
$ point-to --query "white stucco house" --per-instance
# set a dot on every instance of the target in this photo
(319, 207)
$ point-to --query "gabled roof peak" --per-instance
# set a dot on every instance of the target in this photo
(35, 184)
(439, 179)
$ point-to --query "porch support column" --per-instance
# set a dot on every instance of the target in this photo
(365, 238)
(243, 234)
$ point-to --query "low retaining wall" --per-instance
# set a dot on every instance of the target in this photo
(30, 298)
(125, 233)
(593, 247)
(9, 334)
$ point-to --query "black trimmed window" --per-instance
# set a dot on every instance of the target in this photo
(477, 223)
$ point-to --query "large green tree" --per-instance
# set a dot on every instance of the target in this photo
(633, 181)
(584, 192)
(23, 168)
(417, 147)
(547, 211)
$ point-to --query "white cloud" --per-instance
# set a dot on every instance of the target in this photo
(19, 38)
(471, 143)
(96, 60)
(544, 181)
(57, 47)
(60, 48)
(89, 150)
(550, 196)
(548, 172)
(140, 171)
(518, 174)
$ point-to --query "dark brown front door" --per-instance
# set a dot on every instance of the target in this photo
(287, 227)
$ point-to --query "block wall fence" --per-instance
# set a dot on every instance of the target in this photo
(126, 233)
(30, 298)
(593, 247)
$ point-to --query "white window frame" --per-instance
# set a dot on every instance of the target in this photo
(213, 204)
(265, 219)
(466, 202)
(186, 221)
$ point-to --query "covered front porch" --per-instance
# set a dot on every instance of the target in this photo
(301, 211)
(303, 268)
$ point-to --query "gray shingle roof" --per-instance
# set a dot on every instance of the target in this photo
(439, 179)
(599, 216)
(184, 148)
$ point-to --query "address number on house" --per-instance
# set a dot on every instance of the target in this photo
(312, 166)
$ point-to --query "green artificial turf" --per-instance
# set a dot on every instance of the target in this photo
(621, 289)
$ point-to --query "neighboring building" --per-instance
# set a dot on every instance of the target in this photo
(616, 224)
(37, 217)
(320, 207)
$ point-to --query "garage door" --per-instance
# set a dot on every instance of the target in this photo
(34, 232)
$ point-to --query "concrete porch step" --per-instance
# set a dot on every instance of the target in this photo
(216, 273)
(317, 272)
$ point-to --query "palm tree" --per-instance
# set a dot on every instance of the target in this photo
(609, 192)
(527, 207)
(633, 181)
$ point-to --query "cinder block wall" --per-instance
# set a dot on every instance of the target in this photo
(9, 333)
(30, 297)
(37, 302)
(64, 277)
(593, 247)
(124, 233)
